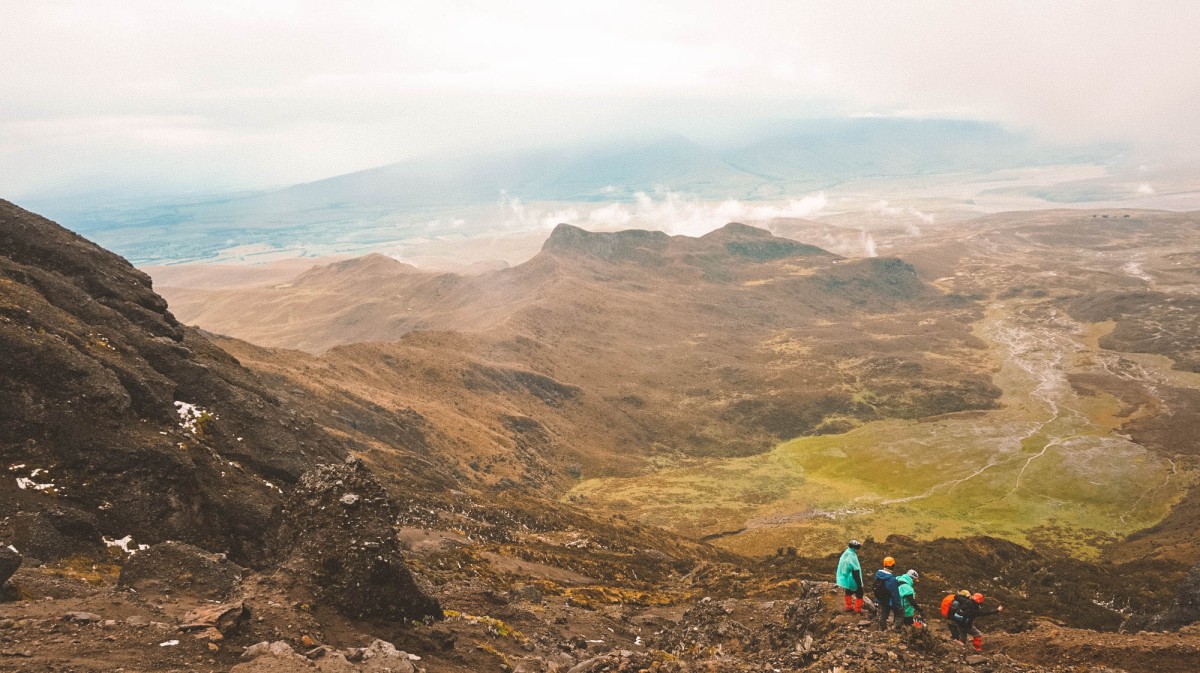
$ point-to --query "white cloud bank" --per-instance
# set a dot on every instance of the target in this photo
(665, 210)
(269, 92)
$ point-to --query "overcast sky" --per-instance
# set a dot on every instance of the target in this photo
(224, 95)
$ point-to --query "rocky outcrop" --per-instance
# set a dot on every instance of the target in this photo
(56, 534)
(10, 562)
(1185, 609)
(114, 409)
(181, 568)
(635, 246)
(338, 536)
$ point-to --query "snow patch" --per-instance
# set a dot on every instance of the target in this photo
(123, 544)
(24, 483)
(191, 416)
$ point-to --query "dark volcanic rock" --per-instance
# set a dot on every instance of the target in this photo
(92, 368)
(56, 534)
(346, 547)
(181, 568)
(10, 561)
(705, 625)
(1186, 608)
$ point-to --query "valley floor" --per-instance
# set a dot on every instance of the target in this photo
(1051, 468)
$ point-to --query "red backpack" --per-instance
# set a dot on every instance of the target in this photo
(946, 605)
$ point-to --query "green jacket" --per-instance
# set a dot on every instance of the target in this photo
(848, 567)
(908, 596)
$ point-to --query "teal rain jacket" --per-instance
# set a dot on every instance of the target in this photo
(847, 565)
(908, 596)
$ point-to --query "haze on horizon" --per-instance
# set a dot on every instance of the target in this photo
(153, 98)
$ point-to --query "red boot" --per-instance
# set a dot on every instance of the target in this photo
(858, 603)
(849, 603)
(977, 641)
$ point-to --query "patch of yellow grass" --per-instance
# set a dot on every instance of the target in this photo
(83, 568)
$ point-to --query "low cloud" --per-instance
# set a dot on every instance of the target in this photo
(675, 213)
(665, 210)
(515, 215)
(909, 214)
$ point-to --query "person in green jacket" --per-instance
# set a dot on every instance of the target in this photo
(908, 596)
(849, 577)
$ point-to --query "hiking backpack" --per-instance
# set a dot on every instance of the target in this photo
(881, 586)
(946, 602)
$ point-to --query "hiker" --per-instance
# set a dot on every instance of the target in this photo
(849, 577)
(949, 605)
(965, 614)
(908, 599)
(887, 594)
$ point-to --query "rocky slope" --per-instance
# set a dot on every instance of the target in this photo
(525, 588)
(120, 421)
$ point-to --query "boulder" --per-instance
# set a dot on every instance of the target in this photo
(279, 657)
(216, 621)
(381, 656)
(349, 556)
(528, 593)
(56, 534)
(181, 568)
(257, 650)
(81, 617)
(276, 657)
(593, 664)
(10, 561)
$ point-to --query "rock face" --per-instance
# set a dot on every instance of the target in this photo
(348, 546)
(111, 407)
(56, 534)
(10, 561)
(181, 568)
(1186, 608)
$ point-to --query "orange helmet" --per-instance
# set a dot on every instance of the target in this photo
(978, 598)
(888, 562)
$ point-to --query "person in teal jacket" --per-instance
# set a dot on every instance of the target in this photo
(908, 596)
(849, 577)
